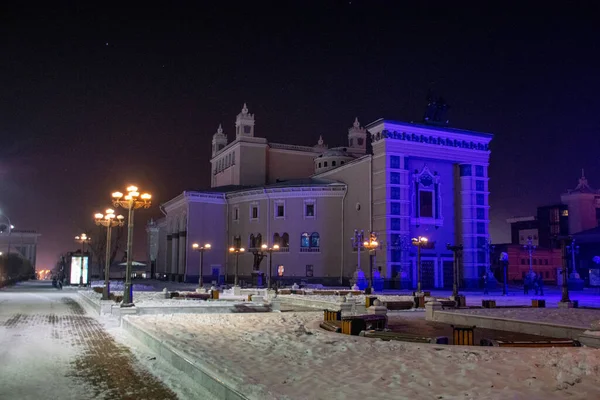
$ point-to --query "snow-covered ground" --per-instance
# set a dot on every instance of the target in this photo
(286, 356)
(579, 318)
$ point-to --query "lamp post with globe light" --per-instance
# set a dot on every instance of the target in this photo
(83, 239)
(419, 242)
(371, 245)
(237, 251)
(201, 250)
(270, 250)
(109, 221)
(131, 201)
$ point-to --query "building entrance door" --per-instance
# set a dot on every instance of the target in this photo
(448, 274)
(427, 274)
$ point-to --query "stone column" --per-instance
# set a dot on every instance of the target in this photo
(174, 253)
(181, 270)
(169, 258)
(466, 233)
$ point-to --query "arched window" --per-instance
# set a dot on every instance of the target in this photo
(252, 241)
(325, 163)
(333, 163)
(277, 239)
(285, 240)
(258, 240)
(314, 240)
(305, 240)
(319, 165)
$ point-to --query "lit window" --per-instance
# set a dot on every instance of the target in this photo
(315, 239)
(305, 240)
(565, 213)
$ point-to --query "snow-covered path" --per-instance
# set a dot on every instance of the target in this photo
(50, 348)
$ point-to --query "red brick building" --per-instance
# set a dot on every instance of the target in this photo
(544, 261)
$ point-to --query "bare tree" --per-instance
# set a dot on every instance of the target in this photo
(98, 246)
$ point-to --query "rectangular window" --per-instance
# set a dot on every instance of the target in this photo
(395, 162)
(480, 186)
(236, 214)
(396, 255)
(395, 224)
(395, 193)
(395, 208)
(480, 213)
(394, 239)
(465, 170)
(247, 129)
(481, 241)
(479, 170)
(253, 212)
(279, 209)
(480, 199)
(309, 210)
(481, 228)
(395, 178)
(425, 204)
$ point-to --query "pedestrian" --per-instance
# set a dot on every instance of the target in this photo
(485, 284)
(541, 285)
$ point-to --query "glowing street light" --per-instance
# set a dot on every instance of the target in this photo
(83, 239)
(270, 250)
(237, 251)
(108, 220)
(201, 249)
(371, 245)
(419, 242)
(131, 201)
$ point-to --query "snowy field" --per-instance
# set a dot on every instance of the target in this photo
(579, 318)
(286, 356)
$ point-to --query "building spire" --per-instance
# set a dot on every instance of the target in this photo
(320, 142)
(356, 123)
(220, 129)
(245, 109)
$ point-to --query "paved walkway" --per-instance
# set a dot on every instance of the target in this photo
(50, 348)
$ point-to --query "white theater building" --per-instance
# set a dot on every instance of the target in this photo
(420, 180)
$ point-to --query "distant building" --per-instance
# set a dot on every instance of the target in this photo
(20, 242)
(545, 262)
(419, 179)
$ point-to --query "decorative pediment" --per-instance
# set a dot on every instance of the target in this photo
(426, 178)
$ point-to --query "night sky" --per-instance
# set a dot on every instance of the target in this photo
(95, 98)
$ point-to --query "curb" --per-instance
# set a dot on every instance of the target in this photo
(177, 359)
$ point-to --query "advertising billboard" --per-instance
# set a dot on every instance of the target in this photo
(76, 270)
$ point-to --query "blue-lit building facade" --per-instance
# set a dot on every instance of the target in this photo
(400, 180)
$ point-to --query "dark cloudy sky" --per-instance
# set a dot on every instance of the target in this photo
(96, 96)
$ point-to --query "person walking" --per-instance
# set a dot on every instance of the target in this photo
(485, 284)
(541, 285)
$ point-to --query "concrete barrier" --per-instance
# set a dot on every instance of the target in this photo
(199, 373)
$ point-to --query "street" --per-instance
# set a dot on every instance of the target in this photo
(51, 348)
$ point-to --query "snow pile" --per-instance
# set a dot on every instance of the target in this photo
(120, 285)
(575, 317)
(277, 356)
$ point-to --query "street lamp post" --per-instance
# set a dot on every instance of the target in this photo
(573, 250)
(131, 201)
(419, 241)
(489, 249)
(457, 251)
(530, 247)
(270, 250)
(504, 261)
(357, 241)
(83, 239)
(236, 251)
(201, 250)
(371, 245)
(108, 220)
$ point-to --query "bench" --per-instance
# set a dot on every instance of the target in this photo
(403, 337)
(353, 325)
(332, 326)
(488, 303)
(399, 305)
(463, 335)
(536, 343)
(538, 303)
(448, 303)
(329, 315)
(198, 296)
(291, 291)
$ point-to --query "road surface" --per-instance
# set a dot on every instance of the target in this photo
(51, 349)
